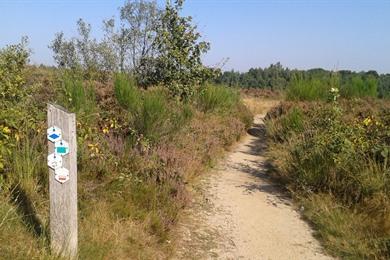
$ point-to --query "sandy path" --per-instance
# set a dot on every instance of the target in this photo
(239, 214)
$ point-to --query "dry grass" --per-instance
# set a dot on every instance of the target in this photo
(260, 105)
(104, 236)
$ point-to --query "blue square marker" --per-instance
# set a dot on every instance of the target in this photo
(61, 150)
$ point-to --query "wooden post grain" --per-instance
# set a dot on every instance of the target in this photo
(63, 197)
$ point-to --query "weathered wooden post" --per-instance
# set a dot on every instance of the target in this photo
(62, 161)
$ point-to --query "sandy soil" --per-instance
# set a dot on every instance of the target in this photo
(238, 213)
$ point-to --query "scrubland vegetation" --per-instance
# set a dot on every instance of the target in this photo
(136, 147)
(329, 143)
(141, 136)
(151, 116)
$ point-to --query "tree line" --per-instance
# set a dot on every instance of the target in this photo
(278, 77)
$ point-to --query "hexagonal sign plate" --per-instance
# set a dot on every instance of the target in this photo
(61, 175)
(54, 134)
(54, 161)
(61, 147)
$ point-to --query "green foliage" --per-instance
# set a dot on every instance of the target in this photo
(320, 86)
(277, 77)
(26, 168)
(212, 97)
(344, 232)
(157, 47)
(85, 55)
(301, 89)
(126, 92)
(340, 150)
(13, 59)
(178, 63)
(274, 77)
(384, 86)
(153, 118)
(20, 156)
(358, 86)
(79, 96)
(153, 113)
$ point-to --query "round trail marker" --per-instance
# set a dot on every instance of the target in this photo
(54, 134)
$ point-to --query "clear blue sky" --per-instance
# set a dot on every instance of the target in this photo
(333, 34)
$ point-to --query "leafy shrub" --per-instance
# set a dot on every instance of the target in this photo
(178, 65)
(217, 98)
(13, 59)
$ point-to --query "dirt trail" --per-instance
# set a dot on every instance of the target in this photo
(238, 213)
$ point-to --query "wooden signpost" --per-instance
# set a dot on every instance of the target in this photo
(62, 142)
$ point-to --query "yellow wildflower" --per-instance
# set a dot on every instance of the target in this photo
(93, 148)
(6, 130)
(367, 121)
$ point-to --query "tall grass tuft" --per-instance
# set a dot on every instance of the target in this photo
(301, 89)
(126, 92)
(359, 87)
(316, 88)
(217, 98)
(26, 166)
(153, 117)
(79, 97)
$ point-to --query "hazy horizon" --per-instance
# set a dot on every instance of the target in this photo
(301, 34)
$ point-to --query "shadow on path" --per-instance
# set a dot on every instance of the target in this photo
(261, 168)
